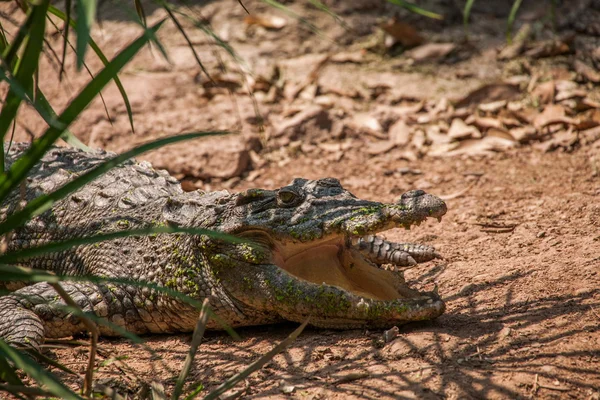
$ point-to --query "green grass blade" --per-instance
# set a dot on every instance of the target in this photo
(24, 69)
(319, 5)
(19, 91)
(43, 108)
(9, 53)
(8, 374)
(187, 39)
(21, 167)
(467, 15)
(55, 247)
(511, 20)
(189, 359)
(291, 13)
(40, 375)
(86, 15)
(139, 9)
(67, 26)
(65, 17)
(44, 202)
(256, 365)
(415, 9)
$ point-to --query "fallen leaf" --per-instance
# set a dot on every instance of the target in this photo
(570, 94)
(544, 92)
(330, 147)
(552, 48)
(356, 57)
(590, 136)
(489, 93)
(297, 120)
(588, 119)
(500, 133)
(380, 147)
(430, 51)
(565, 139)
(399, 133)
(524, 134)
(492, 107)
(586, 71)
(460, 130)
(409, 109)
(402, 33)
(552, 114)
(366, 121)
(484, 146)
(419, 139)
(486, 123)
(435, 136)
(518, 45)
(266, 21)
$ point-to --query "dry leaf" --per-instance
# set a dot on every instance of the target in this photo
(430, 51)
(380, 147)
(402, 33)
(435, 136)
(570, 94)
(492, 107)
(356, 57)
(298, 119)
(489, 93)
(551, 48)
(460, 130)
(588, 119)
(516, 48)
(399, 133)
(484, 146)
(367, 121)
(409, 109)
(500, 133)
(266, 21)
(544, 92)
(330, 147)
(524, 134)
(566, 139)
(419, 139)
(553, 113)
(486, 123)
(586, 71)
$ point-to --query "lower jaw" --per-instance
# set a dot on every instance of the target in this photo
(333, 263)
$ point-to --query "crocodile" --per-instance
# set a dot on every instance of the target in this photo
(309, 250)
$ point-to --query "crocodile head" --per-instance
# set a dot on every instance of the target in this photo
(315, 254)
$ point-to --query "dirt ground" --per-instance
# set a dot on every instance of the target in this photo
(521, 239)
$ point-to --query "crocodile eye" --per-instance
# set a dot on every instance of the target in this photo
(287, 196)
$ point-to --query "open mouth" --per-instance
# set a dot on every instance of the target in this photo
(366, 266)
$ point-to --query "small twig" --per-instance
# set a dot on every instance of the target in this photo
(535, 386)
(557, 388)
(498, 230)
(92, 328)
(352, 377)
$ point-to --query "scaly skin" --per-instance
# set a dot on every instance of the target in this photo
(314, 254)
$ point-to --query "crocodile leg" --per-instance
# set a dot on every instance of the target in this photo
(379, 250)
(37, 311)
